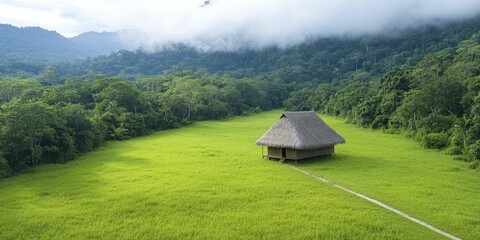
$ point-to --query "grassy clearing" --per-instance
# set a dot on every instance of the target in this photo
(208, 181)
(426, 184)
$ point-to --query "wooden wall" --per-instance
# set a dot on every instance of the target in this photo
(291, 154)
(274, 152)
(294, 154)
(301, 154)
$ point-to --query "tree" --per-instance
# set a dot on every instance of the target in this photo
(12, 88)
(81, 127)
(30, 133)
(119, 133)
(124, 94)
(4, 167)
(345, 99)
(49, 76)
(298, 100)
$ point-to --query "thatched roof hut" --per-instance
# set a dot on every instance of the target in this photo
(298, 135)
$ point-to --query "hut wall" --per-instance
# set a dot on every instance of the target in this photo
(301, 154)
(291, 154)
(274, 152)
(294, 154)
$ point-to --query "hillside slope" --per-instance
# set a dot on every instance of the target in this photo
(35, 43)
(320, 60)
(95, 43)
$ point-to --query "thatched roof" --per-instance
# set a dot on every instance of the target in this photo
(300, 130)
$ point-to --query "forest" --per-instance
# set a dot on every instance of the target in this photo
(423, 83)
(436, 102)
(54, 124)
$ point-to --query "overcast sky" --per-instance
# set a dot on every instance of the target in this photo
(224, 24)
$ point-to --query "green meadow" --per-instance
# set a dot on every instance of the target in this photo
(209, 181)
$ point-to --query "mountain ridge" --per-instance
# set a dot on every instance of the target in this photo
(36, 43)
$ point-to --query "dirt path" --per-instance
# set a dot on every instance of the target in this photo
(429, 226)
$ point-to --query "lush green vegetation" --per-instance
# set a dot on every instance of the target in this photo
(53, 124)
(423, 83)
(436, 102)
(398, 171)
(208, 180)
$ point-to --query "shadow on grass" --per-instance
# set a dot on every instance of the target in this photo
(317, 160)
(320, 160)
(344, 161)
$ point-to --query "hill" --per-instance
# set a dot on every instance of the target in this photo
(95, 43)
(35, 43)
(322, 60)
(209, 181)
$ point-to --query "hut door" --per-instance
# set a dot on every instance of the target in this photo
(284, 152)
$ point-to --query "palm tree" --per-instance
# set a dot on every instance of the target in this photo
(119, 133)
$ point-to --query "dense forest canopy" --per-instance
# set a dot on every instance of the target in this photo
(53, 124)
(436, 101)
(423, 82)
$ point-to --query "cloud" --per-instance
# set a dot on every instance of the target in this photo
(233, 24)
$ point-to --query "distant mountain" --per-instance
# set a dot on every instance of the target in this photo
(35, 43)
(95, 43)
(321, 60)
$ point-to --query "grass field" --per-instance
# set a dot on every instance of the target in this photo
(209, 181)
(391, 168)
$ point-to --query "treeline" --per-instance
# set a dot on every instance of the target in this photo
(437, 101)
(323, 60)
(53, 124)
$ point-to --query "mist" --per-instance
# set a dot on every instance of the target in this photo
(230, 25)
(235, 24)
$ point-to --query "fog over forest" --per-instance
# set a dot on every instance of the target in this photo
(232, 24)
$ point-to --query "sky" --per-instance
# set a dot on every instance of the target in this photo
(230, 24)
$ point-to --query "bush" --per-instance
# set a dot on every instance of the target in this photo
(409, 133)
(475, 165)
(420, 135)
(473, 133)
(435, 140)
(454, 150)
(4, 168)
(381, 121)
(392, 131)
(436, 123)
(457, 138)
(474, 151)
(460, 158)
